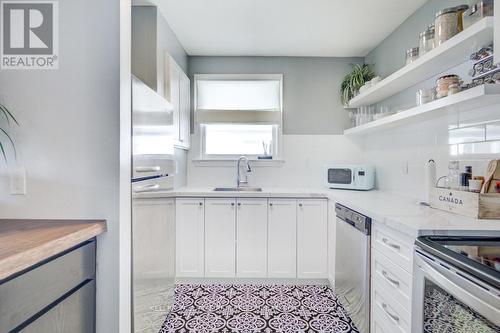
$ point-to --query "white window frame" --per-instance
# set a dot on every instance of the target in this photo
(278, 128)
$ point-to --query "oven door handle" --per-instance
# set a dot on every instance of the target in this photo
(458, 285)
(147, 188)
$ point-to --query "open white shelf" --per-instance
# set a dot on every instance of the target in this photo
(470, 99)
(453, 52)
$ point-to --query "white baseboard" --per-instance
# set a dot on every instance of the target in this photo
(261, 281)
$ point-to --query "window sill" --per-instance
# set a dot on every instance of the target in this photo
(232, 163)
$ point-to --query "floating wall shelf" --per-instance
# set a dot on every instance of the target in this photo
(450, 54)
(471, 99)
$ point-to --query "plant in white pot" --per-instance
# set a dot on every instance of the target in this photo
(6, 121)
(349, 87)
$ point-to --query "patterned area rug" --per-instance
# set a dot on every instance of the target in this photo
(255, 309)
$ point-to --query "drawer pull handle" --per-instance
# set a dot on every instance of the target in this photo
(386, 276)
(393, 316)
(146, 188)
(395, 246)
(155, 168)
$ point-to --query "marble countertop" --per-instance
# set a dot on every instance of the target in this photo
(406, 214)
(267, 192)
(24, 243)
(392, 209)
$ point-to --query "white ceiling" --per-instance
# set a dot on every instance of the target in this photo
(326, 28)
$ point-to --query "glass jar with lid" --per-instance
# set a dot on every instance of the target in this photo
(451, 180)
(446, 25)
(460, 16)
(443, 84)
(426, 40)
(411, 55)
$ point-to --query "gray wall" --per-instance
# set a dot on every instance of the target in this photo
(167, 41)
(69, 136)
(311, 87)
(151, 38)
(144, 41)
(389, 56)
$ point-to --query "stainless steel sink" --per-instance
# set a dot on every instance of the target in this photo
(238, 189)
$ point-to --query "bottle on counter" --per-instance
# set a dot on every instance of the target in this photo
(465, 177)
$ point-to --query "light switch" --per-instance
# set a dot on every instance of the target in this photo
(18, 182)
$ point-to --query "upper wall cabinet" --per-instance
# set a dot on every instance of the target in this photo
(178, 93)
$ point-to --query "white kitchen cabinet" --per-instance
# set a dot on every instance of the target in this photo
(312, 238)
(184, 111)
(153, 228)
(282, 238)
(220, 234)
(332, 223)
(391, 279)
(178, 93)
(190, 237)
(251, 240)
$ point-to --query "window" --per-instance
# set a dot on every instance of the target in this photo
(239, 115)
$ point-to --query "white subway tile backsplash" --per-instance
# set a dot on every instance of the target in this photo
(493, 131)
(467, 134)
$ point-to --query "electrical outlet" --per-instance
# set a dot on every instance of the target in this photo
(18, 182)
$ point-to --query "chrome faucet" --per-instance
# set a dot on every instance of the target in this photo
(239, 181)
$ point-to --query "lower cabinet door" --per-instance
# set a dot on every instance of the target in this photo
(251, 240)
(282, 238)
(312, 238)
(189, 237)
(153, 233)
(220, 234)
(75, 314)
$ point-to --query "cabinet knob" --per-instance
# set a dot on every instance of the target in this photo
(232, 203)
(201, 204)
(300, 205)
(271, 204)
(239, 203)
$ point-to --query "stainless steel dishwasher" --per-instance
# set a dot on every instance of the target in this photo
(352, 265)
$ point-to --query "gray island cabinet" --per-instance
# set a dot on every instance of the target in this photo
(53, 295)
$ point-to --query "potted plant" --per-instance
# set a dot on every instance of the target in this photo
(359, 75)
(6, 120)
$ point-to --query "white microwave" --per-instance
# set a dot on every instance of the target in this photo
(351, 177)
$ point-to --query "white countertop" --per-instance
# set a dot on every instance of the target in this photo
(395, 210)
(267, 192)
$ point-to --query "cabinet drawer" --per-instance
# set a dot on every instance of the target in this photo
(27, 294)
(395, 245)
(389, 312)
(395, 279)
(75, 314)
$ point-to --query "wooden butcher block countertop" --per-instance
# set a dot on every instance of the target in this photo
(24, 243)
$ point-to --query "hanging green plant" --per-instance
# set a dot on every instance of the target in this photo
(6, 120)
(359, 75)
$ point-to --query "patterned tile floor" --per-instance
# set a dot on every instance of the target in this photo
(256, 309)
